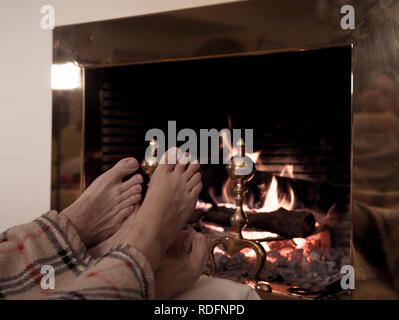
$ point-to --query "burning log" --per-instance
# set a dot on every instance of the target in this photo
(290, 224)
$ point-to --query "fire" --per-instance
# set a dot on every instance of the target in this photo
(288, 171)
(299, 242)
(254, 156)
(203, 206)
(232, 150)
(219, 251)
(252, 235)
(213, 227)
(272, 199)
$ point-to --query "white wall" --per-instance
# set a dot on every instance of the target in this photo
(25, 94)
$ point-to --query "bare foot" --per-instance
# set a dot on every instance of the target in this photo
(101, 210)
(169, 202)
(189, 178)
(182, 264)
(105, 246)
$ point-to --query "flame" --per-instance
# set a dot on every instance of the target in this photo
(272, 200)
(227, 145)
(287, 171)
(254, 156)
(233, 149)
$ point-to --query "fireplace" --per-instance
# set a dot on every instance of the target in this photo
(217, 68)
(302, 145)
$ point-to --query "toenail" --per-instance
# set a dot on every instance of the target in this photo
(131, 163)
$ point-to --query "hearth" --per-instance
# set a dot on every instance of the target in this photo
(302, 143)
(227, 67)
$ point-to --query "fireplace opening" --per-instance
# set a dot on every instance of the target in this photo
(299, 106)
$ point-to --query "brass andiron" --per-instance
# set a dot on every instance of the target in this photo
(240, 169)
(150, 163)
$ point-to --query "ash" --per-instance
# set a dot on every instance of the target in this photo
(313, 267)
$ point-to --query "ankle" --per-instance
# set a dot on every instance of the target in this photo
(72, 213)
(146, 241)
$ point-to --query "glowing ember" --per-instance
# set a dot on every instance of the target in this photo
(310, 248)
(272, 199)
(300, 242)
(248, 253)
(213, 227)
(201, 205)
(258, 234)
(218, 250)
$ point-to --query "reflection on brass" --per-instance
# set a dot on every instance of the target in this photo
(262, 286)
(240, 170)
(150, 163)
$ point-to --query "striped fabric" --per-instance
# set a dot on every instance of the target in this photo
(123, 273)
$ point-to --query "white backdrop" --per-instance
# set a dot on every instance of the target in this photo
(25, 94)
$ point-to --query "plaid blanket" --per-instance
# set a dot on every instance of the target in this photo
(51, 240)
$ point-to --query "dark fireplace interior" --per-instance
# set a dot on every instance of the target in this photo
(299, 106)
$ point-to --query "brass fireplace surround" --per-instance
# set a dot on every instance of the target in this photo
(267, 26)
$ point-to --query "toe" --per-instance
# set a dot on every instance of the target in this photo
(196, 178)
(123, 168)
(198, 252)
(196, 190)
(129, 201)
(191, 170)
(135, 189)
(126, 212)
(137, 179)
(169, 159)
(183, 161)
(187, 243)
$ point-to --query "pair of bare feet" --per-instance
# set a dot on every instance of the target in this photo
(108, 213)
